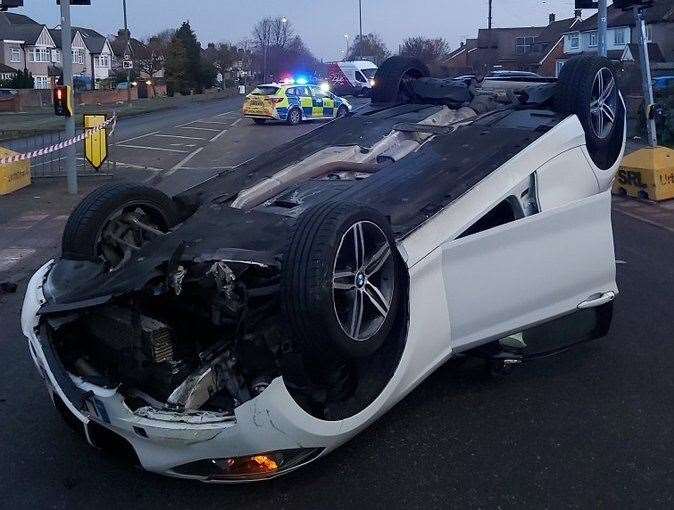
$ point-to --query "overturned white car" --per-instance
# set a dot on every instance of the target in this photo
(250, 325)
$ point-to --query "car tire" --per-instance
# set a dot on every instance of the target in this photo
(588, 88)
(392, 80)
(342, 111)
(259, 121)
(85, 229)
(339, 307)
(295, 117)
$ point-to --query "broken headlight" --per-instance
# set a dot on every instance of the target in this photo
(250, 467)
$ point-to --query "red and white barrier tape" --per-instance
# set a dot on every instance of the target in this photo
(61, 145)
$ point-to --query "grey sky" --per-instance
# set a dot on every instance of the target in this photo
(321, 23)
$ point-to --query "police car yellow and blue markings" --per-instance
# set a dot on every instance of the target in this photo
(291, 95)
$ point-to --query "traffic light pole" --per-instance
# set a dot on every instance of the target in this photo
(647, 83)
(70, 161)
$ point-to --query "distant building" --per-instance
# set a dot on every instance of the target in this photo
(27, 44)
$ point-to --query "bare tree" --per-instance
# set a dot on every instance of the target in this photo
(371, 47)
(272, 36)
(153, 58)
(431, 51)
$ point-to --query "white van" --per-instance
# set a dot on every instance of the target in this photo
(352, 77)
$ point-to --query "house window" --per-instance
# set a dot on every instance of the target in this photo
(558, 66)
(593, 39)
(524, 44)
(40, 55)
(619, 37)
(103, 61)
(56, 56)
(78, 56)
(574, 41)
(41, 82)
(15, 55)
(649, 33)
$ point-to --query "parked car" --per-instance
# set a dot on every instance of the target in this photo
(248, 326)
(663, 83)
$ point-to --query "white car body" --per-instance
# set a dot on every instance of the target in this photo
(495, 270)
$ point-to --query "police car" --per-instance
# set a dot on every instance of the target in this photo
(294, 101)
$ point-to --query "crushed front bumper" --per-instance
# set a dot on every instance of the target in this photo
(166, 442)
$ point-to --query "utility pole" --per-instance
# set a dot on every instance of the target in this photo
(67, 60)
(602, 22)
(490, 18)
(360, 15)
(647, 83)
(128, 48)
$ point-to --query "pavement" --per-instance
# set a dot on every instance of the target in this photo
(591, 428)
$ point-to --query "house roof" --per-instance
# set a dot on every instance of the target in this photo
(94, 41)
(470, 44)
(5, 69)
(661, 12)
(611, 54)
(654, 52)
(19, 28)
(555, 30)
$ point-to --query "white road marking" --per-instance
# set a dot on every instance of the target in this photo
(620, 262)
(183, 162)
(152, 148)
(183, 137)
(137, 137)
(199, 128)
(226, 113)
(183, 145)
(235, 122)
(209, 122)
(12, 256)
(218, 135)
(139, 167)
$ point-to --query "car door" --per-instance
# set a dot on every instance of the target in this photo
(306, 102)
(324, 104)
(529, 270)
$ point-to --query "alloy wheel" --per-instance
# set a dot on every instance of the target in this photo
(363, 280)
(603, 103)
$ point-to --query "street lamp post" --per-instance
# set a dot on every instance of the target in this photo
(360, 15)
(602, 22)
(128, 49)
(346, 53)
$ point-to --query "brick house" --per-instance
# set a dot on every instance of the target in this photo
(92, 55)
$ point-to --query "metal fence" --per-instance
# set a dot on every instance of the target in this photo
(52, 164)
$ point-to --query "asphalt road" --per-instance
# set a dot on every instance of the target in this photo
(589, 428)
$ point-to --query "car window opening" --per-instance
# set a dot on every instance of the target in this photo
(505, 212)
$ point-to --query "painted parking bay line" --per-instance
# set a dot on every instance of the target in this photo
(143, 147)
(138, 137)
(199, 128)
(182, 137)
(182, 163)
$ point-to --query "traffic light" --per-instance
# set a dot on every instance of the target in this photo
(63, 101)
(628, 4)
(76, 2)
(10, 4)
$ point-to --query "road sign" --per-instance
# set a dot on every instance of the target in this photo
(96, 144)
(127, 64)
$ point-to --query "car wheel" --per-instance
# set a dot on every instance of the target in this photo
(342, 111)
(393, 81)
(294, 117)
(341, 282)
(588, 88)
(115, 221)
(259, 121)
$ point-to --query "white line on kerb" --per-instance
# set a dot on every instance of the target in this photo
(151, 148)
(183, 137)
(137, 137)
(183, 162)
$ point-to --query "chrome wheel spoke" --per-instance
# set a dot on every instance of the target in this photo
(377, 299)
(359, 245)
(378, 260)
(608, 113)
(344, 280)
(357, 314)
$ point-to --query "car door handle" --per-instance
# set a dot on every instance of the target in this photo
(597, 300)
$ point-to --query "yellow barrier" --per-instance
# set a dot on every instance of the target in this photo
(13, 176)
(647, 173)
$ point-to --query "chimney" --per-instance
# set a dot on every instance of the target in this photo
(578, 13)
(551, 18)
(462, 43)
